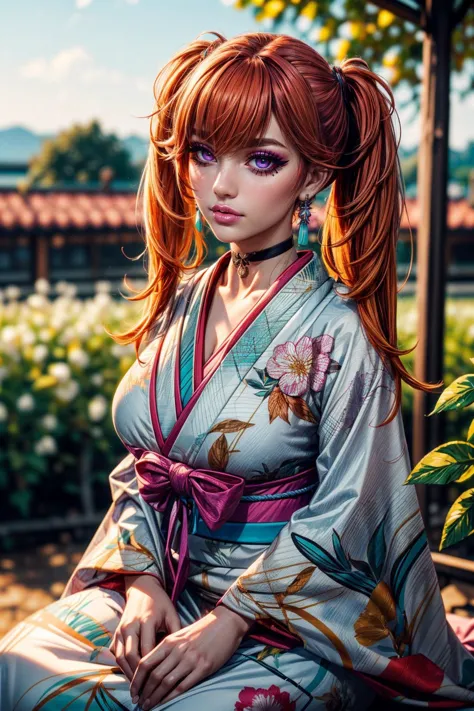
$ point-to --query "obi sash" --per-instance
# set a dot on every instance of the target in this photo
(218, 505)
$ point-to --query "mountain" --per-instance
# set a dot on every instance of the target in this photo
(19, 145)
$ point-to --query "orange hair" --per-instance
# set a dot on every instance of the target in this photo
(228, 90)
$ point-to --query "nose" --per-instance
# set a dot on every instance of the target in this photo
(225, 184)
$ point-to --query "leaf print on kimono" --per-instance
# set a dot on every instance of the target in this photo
(269, 651)
(95, 695)
(339, 698)
(384, 615)
(219, 452)
(271, 699)
(293, 370)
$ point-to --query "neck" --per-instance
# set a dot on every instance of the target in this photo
(261, 274)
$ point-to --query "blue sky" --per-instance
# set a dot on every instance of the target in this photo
(65, 61)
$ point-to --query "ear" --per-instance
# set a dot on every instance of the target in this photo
(316, 181)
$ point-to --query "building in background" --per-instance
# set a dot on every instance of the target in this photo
(78, 235)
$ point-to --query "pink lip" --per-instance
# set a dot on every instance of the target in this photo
(225, 209)
(225, 218)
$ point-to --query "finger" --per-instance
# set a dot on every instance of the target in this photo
(156, 676)
(121, 660)
(168, 684)
(147, 639)
(131, 649)
(172, 621)
(146, 665)
(190, 680)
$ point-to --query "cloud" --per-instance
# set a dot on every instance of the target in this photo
(76, 62)
(81, 4)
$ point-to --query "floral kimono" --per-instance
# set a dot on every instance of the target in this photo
(259, 481)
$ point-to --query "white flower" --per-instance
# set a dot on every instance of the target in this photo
(42, 286)
(25, 403)
(83, 329)
(117, 351)
(3, 412)
(45, 335)
(27, 335)
(46, 445)
(59, 320)
(12, 292)
(102, 287)
(97, 379)
(61, 287)
(470, 331)
(40, 352)
(61, 371)
(68, 335)
(78, 357)
(49, 422)
(9, 335)
(96, 432)
(37, 301)
(97, 408)
(71, 291)
(67, 391)
(102, 299)
(38, 319)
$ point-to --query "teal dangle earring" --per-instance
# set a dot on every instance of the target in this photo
(198, 220)
(304, 213)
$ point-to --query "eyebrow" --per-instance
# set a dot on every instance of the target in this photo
(265, 141)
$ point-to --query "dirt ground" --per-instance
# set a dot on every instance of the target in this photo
(32, 579)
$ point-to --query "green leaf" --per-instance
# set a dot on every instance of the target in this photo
(460, 520)
(470, 434)
(21, 500)
(457, 395)
(453, 461)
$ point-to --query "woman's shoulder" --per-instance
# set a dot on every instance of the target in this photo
(340, 330)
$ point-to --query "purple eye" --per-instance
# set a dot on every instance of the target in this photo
(272, 162)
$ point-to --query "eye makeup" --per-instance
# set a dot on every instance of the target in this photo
(276, 161)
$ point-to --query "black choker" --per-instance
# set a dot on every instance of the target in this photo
(241, 260)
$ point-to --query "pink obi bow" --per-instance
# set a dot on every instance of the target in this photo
(216, 495)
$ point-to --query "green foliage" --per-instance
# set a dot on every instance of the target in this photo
(357, 28)
(77, 155)
(452, 462)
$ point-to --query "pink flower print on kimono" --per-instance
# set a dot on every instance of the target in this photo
(271, 699)
(293, 370)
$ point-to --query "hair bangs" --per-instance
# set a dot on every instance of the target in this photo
(229, 105)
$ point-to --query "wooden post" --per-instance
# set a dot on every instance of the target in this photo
(431, 235)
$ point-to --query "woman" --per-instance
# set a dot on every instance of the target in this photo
(261, 551)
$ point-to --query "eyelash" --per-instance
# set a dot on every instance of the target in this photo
(278, 162)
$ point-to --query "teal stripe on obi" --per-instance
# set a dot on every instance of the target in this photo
(240, 532)
(248, 531)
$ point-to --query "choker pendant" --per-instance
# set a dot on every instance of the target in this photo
(241, 262)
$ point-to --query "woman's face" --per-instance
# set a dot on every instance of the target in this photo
(258, 182)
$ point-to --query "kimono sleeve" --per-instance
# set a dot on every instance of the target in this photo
(351, 573)
(127, 542)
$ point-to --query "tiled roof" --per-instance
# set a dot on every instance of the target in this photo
(61, 210)
(74, 211)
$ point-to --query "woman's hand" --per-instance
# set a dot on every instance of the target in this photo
(185, 657)
(147, 610)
